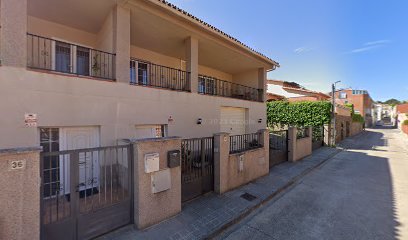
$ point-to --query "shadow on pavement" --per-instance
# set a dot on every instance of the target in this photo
(350, 197)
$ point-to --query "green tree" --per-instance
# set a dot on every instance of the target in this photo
(392, 102)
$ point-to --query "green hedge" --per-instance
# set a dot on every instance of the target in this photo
(351, 107)
(405, 122)
(357, 118)
(283, 113)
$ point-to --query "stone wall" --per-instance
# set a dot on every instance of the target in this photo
(234, 170)
(356, 128)
(20, 194)
(151, 208)
(299, 148)
(343, 127)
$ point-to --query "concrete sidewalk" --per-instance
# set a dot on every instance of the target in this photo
(210, 214)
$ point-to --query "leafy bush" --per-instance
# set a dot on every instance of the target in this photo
(405, 122)
(351, 106)
(283, 113)
(358, 118)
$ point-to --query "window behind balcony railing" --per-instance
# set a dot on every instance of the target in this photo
(212, 86)
(149, 74)
(52, 55)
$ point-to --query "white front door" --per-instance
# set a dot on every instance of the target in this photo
(233, 120)
(73, 138)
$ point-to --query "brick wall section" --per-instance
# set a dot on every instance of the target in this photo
(402, 108)
(341, 127)
(20, 195)
(361, 102)
(405, 128)
(356, 128)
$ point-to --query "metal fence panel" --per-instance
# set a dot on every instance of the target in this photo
(245, 142)
(81, 190)
(197, 167)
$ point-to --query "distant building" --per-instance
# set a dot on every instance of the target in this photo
(402, 113)
(293, 92)
(363, 103)
(385, 114)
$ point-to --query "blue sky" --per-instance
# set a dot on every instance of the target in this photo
(362, 43)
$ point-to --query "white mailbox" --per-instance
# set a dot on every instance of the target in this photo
(152, 162)
(161, 181)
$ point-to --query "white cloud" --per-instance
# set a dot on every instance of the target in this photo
(368, 46)
(301, 50)
(379, 42)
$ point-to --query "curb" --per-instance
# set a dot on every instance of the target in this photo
(289, 184)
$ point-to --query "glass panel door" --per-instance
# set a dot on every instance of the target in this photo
(82, 58)
(62, 57)
(49, 140)
(142, 73)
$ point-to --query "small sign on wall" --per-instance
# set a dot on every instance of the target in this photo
(30, 119)
(241, 163)
(17, 164)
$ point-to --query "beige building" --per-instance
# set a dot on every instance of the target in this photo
(87, 73)
(128, 99)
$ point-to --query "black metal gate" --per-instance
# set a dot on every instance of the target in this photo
(278, 147)
(317, 137)
(197, 167)
(86, 192)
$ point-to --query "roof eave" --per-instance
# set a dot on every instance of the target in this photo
(208, 27)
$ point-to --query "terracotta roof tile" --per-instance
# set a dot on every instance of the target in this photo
(402, 108)
(215, 29)
(306, 90)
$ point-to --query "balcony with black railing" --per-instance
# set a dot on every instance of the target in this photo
(213, 86)
(148, 74)
(53, 55)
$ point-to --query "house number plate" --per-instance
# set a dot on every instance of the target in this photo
(18, 164)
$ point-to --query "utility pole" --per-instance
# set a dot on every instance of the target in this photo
(334, 112)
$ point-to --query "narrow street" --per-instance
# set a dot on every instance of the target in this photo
(361, 193)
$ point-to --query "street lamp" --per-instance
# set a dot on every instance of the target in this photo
(334, 111)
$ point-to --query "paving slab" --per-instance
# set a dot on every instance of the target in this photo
(210, 214)
(360, 193)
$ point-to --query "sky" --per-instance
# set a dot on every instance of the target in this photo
(363, 44)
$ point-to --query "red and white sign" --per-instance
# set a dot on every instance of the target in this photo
(30, 119)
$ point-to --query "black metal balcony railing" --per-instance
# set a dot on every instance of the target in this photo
(212, 86)
(53, 55)
(153, 75)
(245, 142)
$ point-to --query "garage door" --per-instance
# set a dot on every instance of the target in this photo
(233, 120)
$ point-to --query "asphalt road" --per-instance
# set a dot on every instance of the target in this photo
(361, 193)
